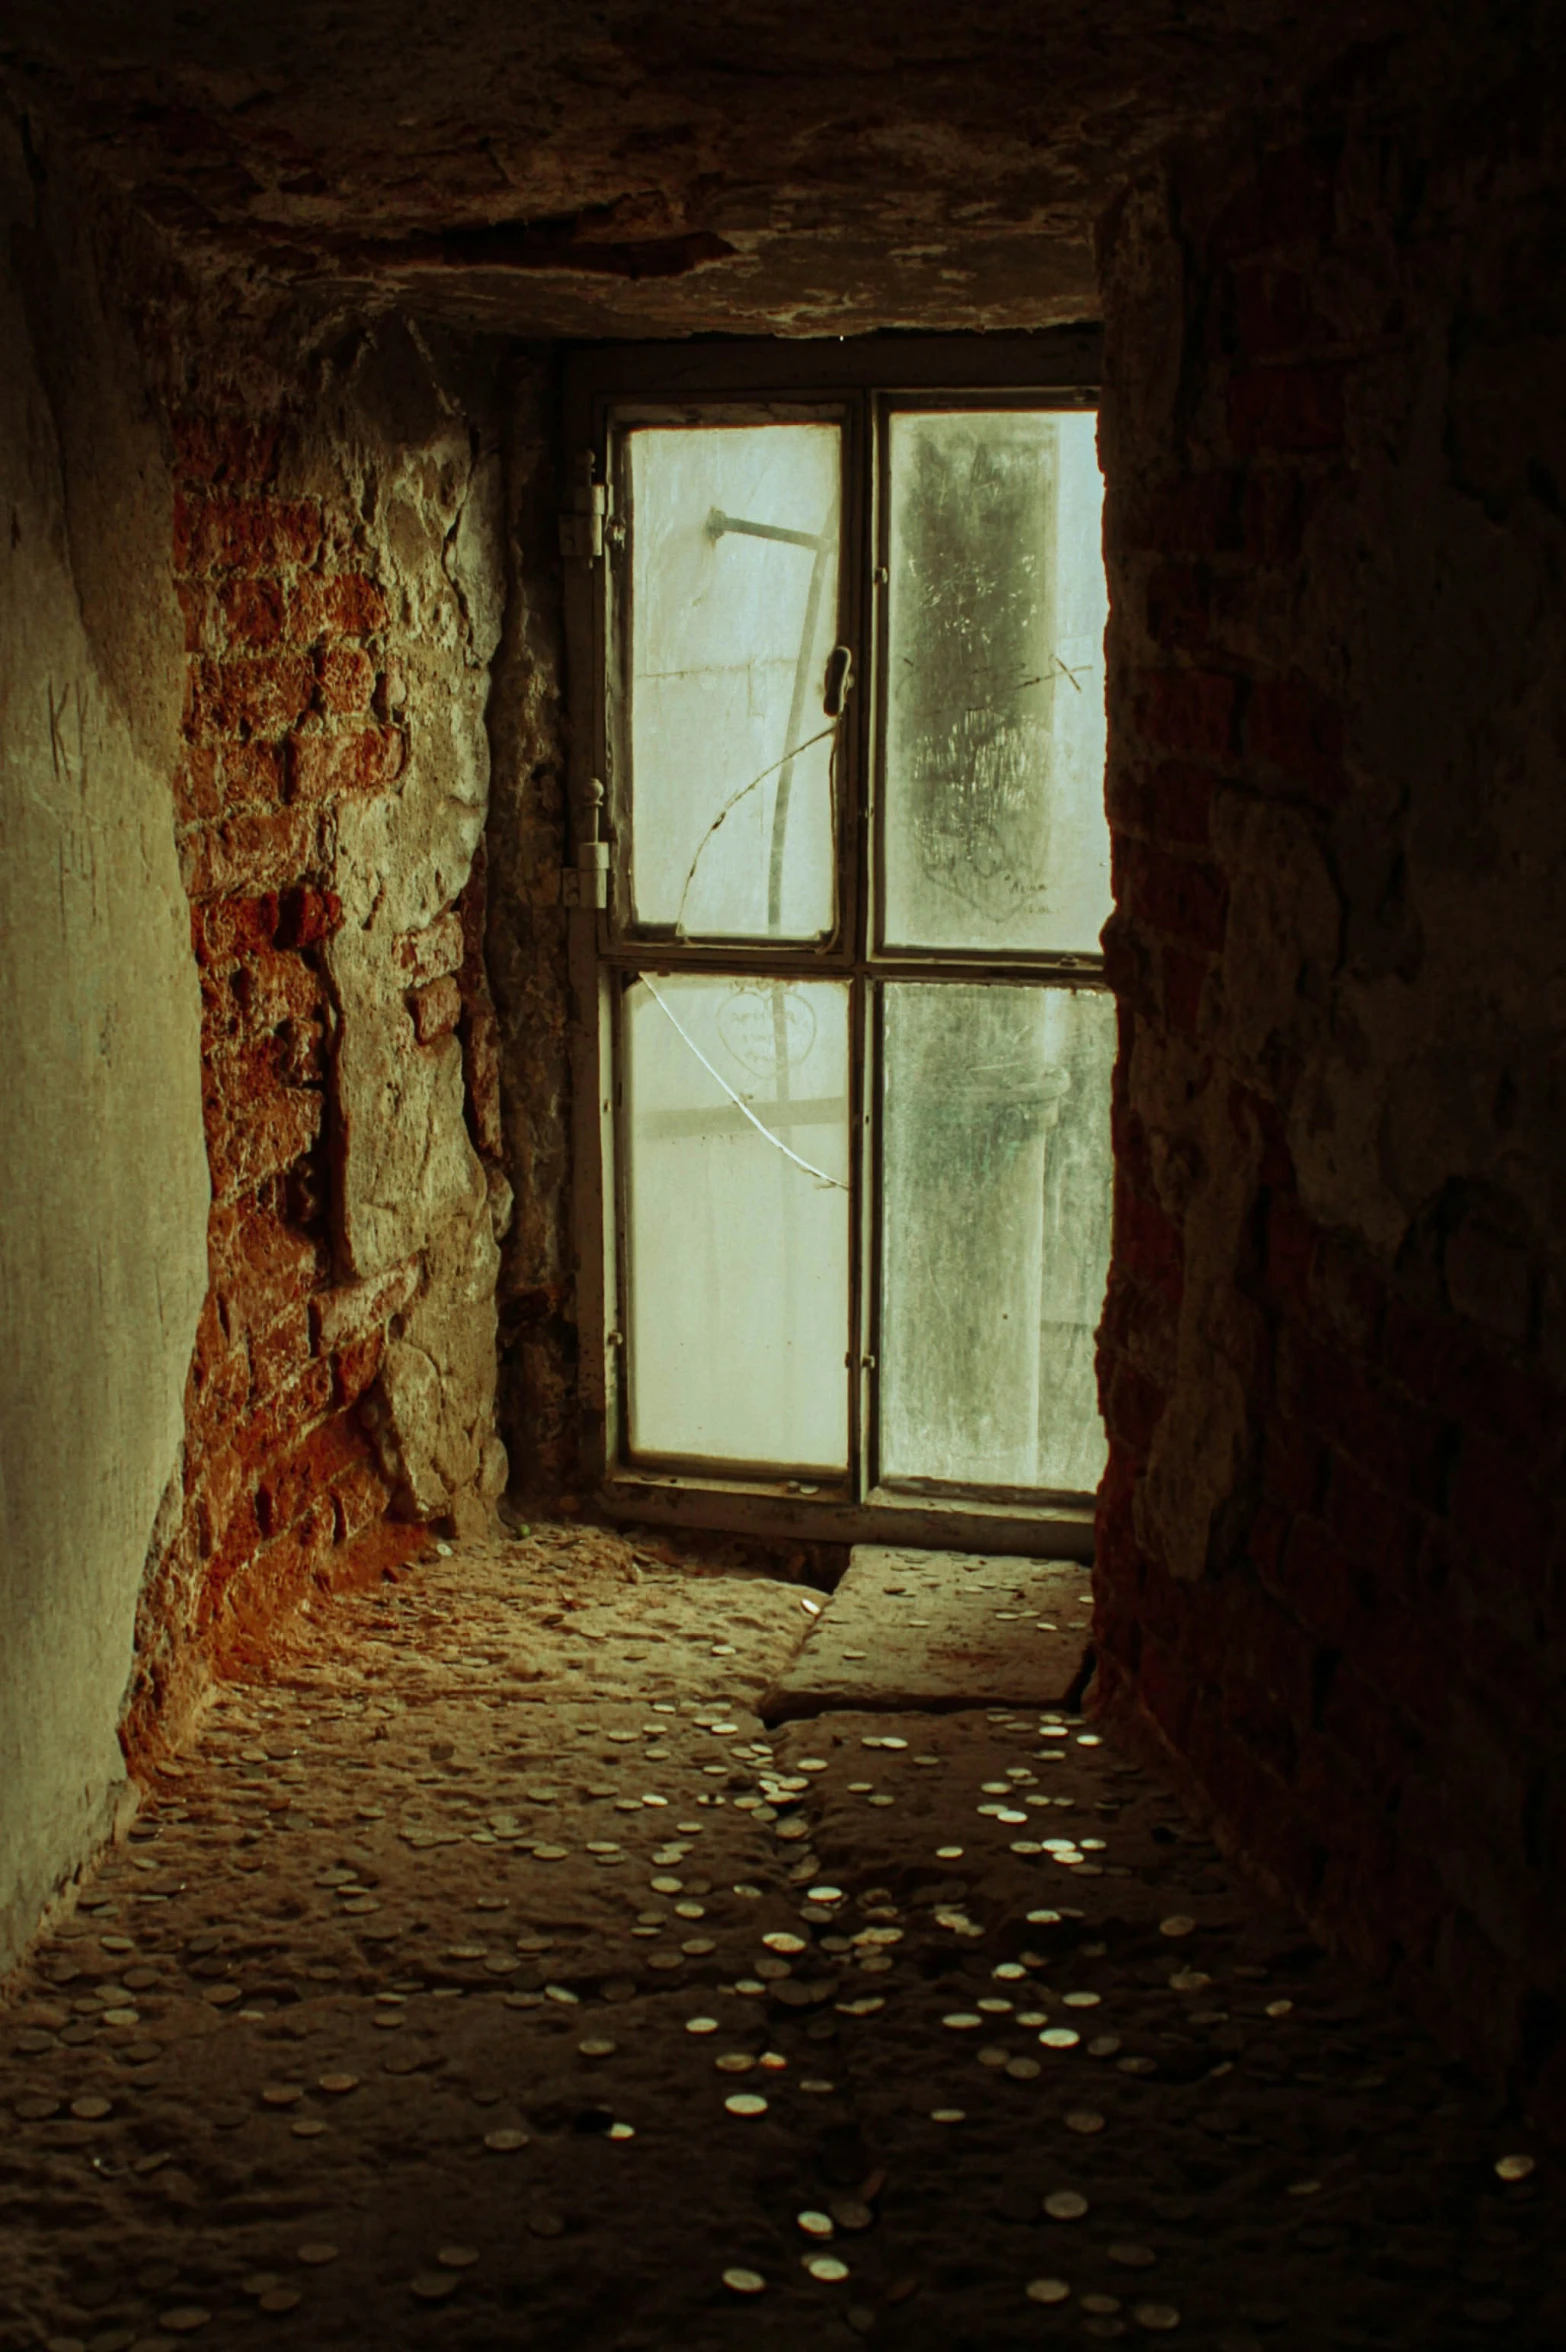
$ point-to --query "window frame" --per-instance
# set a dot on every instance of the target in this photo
(607, 388)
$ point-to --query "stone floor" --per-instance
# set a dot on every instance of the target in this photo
(491, 1978)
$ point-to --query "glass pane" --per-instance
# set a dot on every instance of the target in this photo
(995, 829)
(734, 538)
(737, 1117)
(995, 1248)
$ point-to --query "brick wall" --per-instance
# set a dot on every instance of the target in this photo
(1332, 1576)
(285, 718)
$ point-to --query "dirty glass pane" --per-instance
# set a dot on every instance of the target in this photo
(734, 540)
(995, 828)
(995, 1245)
(738, 1253)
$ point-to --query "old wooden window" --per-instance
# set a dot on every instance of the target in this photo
(837, 623)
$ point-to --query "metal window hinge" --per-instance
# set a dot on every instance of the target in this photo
(582, 528)
(586, 884)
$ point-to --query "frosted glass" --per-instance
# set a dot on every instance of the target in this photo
(738, 1254)
(995, 829)
(995, 1234)
(734, 562)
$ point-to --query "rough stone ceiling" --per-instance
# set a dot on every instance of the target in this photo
(630, 168)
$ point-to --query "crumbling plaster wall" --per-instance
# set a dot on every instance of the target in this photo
(338, 545)
(1334, 1350)
(103, 1178)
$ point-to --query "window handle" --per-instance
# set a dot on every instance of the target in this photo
(839, 679)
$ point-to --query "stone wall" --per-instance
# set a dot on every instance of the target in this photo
(1332, 1361)
(337, 549)
(103, 1182)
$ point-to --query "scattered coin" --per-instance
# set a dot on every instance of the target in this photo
(1514, 2168)
(1130, 2256)
(433, 2286)
(1157, 2318)
(1179, 1925)
(745, 2103)
(1065, 2205)
(815, 2225)
(279, 2299)
(91, 2110)
(316, 2251)
(1085, 2120)
(1048, 2290)
(744, 2282)
(826, 2267)
(457, 2257)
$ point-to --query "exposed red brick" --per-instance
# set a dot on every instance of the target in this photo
(347, 680)
(1496, 1504)
(306, 1471)
(1286, 411)
(1185, 978)
(355, 1366)
(253, 776)
(261, 696)
(1461, 1373)
(307, 915)
(1194, 515)
(196, 795)
(250, 853)
(1148, 1244)
(1288, 203)
(254, 611)
(1343, 1400)
(1133, 1408)
(353, 605)
(279, 1353)
(1272, 310)
(1184, 898)
(362, 760)
(1178, 611)
(244, 534)
(1296, 729)
(1191, 713)
(361, 1498)
(436, 1009)
(255, 1124)
(235, 451)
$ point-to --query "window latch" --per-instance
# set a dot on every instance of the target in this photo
(839, 680)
